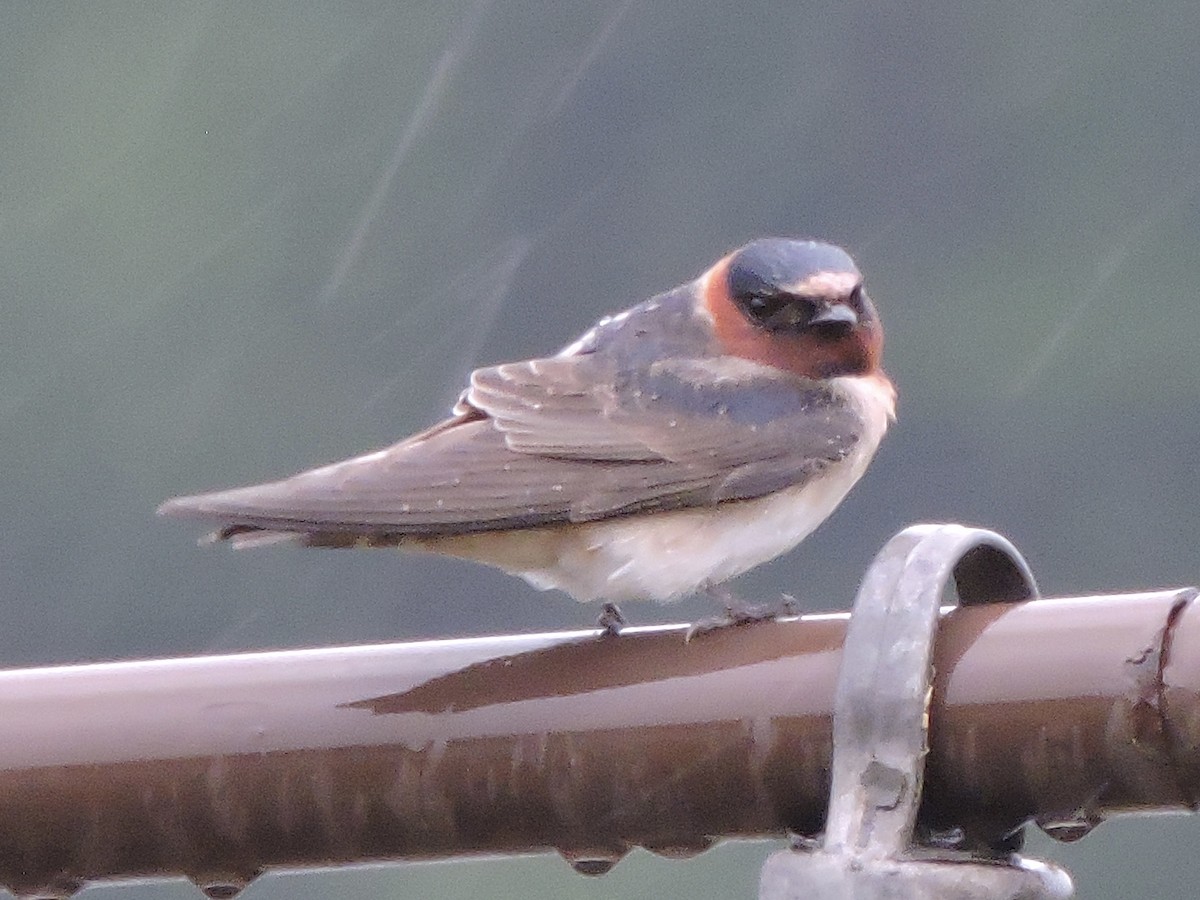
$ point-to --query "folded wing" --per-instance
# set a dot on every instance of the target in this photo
(564, 439)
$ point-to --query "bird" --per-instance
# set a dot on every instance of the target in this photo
(673, 446)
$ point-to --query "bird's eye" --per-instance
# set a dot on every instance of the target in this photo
(776, 311)
(766, 309)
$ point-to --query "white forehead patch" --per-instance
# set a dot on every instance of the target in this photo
(826, 284)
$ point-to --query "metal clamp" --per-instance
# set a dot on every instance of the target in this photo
(880, 731)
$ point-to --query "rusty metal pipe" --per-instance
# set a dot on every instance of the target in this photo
(1063, 710)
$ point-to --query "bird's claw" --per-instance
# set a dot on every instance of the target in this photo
(739, 613)
(610, 621)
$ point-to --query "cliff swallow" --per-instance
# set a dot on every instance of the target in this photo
(671, 447)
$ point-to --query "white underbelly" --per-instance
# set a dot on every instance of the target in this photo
(669, 555)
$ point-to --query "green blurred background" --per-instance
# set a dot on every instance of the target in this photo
(241, 239)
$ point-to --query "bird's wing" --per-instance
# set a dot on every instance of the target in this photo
(565, 439)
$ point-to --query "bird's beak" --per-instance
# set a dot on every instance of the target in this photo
(835, 314)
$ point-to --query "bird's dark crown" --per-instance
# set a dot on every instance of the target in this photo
(775, 263)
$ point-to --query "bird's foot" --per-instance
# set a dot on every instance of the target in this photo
(610, 621)
(738, 612)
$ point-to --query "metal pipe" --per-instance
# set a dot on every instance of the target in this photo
(1064, 710)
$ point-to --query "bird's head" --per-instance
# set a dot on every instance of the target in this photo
(796, 305)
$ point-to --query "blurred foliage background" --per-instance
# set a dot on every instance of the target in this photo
(241, 239)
